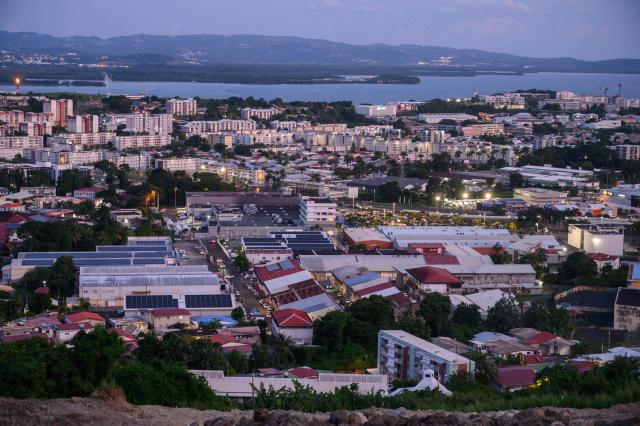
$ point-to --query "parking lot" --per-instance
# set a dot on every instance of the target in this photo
(192, 254)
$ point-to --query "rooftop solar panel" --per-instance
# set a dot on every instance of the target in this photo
(148, 261)
(273, 267)
(286, 265)
(150, 302)
(208, 301)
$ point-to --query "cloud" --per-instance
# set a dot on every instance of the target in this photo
(349, 5)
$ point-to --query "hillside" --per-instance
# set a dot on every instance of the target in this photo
(109, 408)
(258, 49)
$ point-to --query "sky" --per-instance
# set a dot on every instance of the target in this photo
(584, 29)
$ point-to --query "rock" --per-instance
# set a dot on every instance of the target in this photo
(261, 415)
(340, 417)
(219, 421)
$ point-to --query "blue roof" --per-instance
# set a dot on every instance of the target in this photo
(359, 279)
(635, 271)
(225, 320)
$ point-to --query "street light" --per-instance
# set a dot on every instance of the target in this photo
(487, 196)
(465, 195)
(438, 198)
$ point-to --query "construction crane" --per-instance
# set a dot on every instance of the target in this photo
(605, 90)
(620, 89)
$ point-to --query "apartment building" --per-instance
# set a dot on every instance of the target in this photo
(21, 142)
(259, 113)
(60, 108)
(478, 130)
(435, 118)
(12, 117)
(160, 124)
(231, 172)
(290, 125)
(627, 152)
(83, 123)
(142, 142)
(140, 162)
(507, 100)
(187, 164)
(75, 158)
(36, 129)
(181, 107)
(626, 311)
(317, 211)
(225, 125)
(82, 139)
(404, 356)
(35, 117)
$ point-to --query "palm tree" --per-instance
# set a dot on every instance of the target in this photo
(280, 350)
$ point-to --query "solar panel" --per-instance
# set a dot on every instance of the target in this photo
(286, 265)
(208, 301)
(148, 261)
(272, 267)
(150, 302)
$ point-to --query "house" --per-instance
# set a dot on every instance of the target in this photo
(230, 344)
(91, 317)
(427, 279)
(166, 317)
(302, 373)
(65, 332)
(249, 334)
(133, 325)
(513, 378)
(294, 324)
(603, 259)
(87, 193)
(545, 342)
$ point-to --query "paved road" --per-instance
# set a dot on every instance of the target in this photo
(249, 301)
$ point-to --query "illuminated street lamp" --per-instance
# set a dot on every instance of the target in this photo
(18, 82)
(465, 195)
(487, 196)
(438, 198)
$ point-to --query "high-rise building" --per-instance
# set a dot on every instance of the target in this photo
(181, 107)
(160, 124)
(83, 123)
(61, 108)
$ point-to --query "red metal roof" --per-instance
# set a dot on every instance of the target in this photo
(291, 318)
(542, 337)
(275, 270)
(432, 275)
(441, 259)
(74, 326)
(518, 375)
(602, 257)
(303, 373)
(84, 316)
(375, 289)
(169, 312)
(489, 250)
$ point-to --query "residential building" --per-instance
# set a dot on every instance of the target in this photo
(83, 124)
(317, 211)
(93, 318)
(181, 107)
(265, 256)
(627, 152)
(160, 124)
(142, 142)
(603, 259)
(377, 111)
(426, 279)
(513, 378)
(259, 113)
(540, 196)
(369, 238)
(225, 125)
(189, 165)
(60, 108)
(597, 238)
(21, 142)
(167, 317)
(406, 357)
(436, 118)
(293, 324)
(478, 130)
(65, 332)
(81, 139)
(36, 129)
(626, 312)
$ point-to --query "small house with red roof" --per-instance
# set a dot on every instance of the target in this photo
(604, 259)
(92, 318)
(302, 373)
(544, 341)
(166, 317)
(230, 344)
(513, 378)
(426, 279)
(294, 324)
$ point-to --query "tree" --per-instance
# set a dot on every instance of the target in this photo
(238, 314)
(39, 303)
(279, 348)
(516, 179)
(242, 262)
(577, 265)
(95, 353)
(467, 315)
(242, 150)
(500, 255)
(414, 325)
(537, 316)
(435, 309)
(504, 316)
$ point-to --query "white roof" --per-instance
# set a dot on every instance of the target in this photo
(373, 262)
(511, 268)
(484, 300)
(243, 386)
(279, 284)
(365, 234)
(126, 276)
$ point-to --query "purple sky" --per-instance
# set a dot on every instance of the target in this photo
(586, 29)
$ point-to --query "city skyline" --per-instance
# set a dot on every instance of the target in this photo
(587, 30)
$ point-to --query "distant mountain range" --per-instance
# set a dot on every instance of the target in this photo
(258, 49)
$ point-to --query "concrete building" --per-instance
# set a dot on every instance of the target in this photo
(259, 113)
(189, 165)
(317, 211)
(36, 129)
(377, 111)
(430, 118)
(81, 139)
(294, 324)
(370, 238)
(540, 196)
(166, 317)
(427, 279)
(60, 108)
(623, 197)
(181, 107)
(160, 124)
(593, 238)
(21, 142)
(83, 123)
(142, 142)
(627, 152)
(626, 311)
(406, 357)
(225, 125)
(478, 130)
(554, 176)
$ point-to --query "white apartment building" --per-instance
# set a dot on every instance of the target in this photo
(142, 142)
(435, 136)
(231, 172)
(21, 142)
(317, 211)
(290, 125)
(35, 117)
(181, 107)
(76, 158)
(377, 111)
(406, 357)
(554, 176)
(83, 124)
(14, 117)
(141, 161)
(83, 139)
(225, 125)
(10, 153)
(259, 113)
(477, 130)
(432, 118)
(60, 108)
(187, 164)
(507, 100)
(264, 136)
(160, 124)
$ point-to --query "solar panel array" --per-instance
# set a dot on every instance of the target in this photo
(121, 257)
(297, 241)
(208, 301)
(150, 302)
